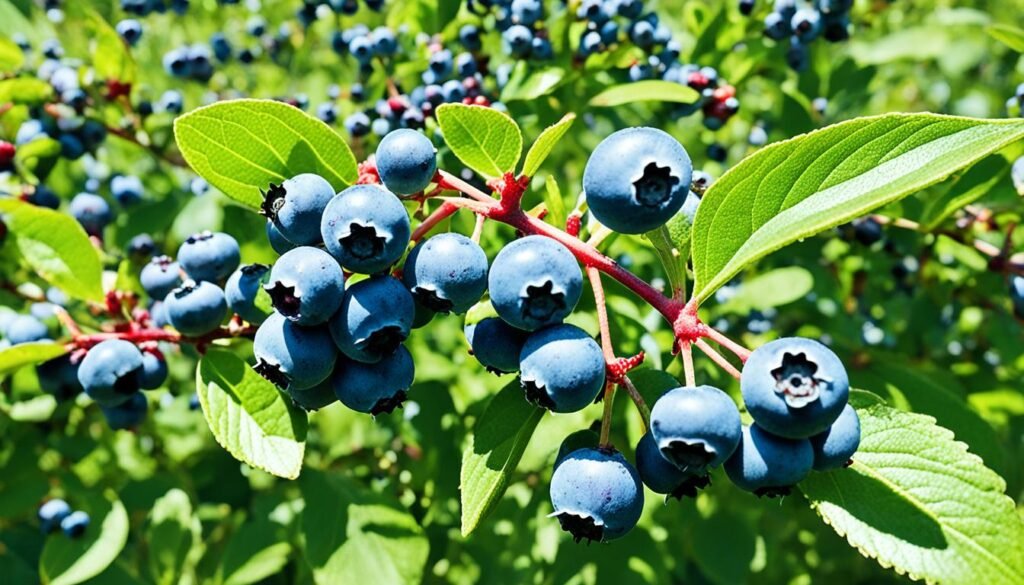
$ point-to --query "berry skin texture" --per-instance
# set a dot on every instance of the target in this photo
(768, 465)
(92, 212)
(375, 388)
(296, 206)
(127, 415)
(661, 475)
(534, 282)
(562, 368)
(446, 273)
(315, 398)
(794, 387)
(160, 276)
(196, 308)
(154, 371)
(26, 329)
(636, 179)
(376, 316)
(210, 256)
(596, 495)
(406, 161)
(51, 513)
(306, 285)
(278, 242)
(496, 344)
(291, 356)
(74, 524)
(696, 427)
(110, 372)
(366, 228)
(242, 288)
(834, 447)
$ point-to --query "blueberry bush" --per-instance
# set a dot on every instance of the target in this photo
(444, 291)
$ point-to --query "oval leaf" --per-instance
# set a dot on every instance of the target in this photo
(645, 91)
(242, 146)
(797, 188)
(67, 561)
(56, 247)
(771, 289)
(110, 55)
(27, 354)
(497, 444)
(249, 416)
(916, 500)
(25, 90)
(546, 143)
(1009, 35)
(484, 139)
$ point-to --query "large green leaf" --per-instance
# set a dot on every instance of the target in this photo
(56, 247)
(27, 354)
(494, 449)
(794, 189)
(242, 146)
(484, 139)
(249, 416)
(11, 56)
(172, 533)
(352, 535)
(257, 550)
(545, 143)
(645, 91)
(67, 561)
(25, 90)
(916, 500)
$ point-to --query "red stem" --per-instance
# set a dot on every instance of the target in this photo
(720, 338)
(717, 358)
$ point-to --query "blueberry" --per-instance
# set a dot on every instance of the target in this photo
(794, 387)
(642, 34)
(806, 24)
(74, 524)
(176, 62)
(867, 230)
(358, 124)
(306, 285)
(327, 112)
(384, 42)
(496, 344)
(746, 7)
(562, 368)
(636, 179)
(59, 377)
(292, 356)
(158, 314)
(447, 272)
(662, 476)
(220, 46)
(758, 136)
(296, 205)
(141, 246)
(406, 161)
(375, 317)
(1017, 295)
(366, 228)
(196, 308)
(591, 42)
(242, 290)
(51, 513)
(361, 48)
(26, 329)
(278, 242)
(209, 256)
(541, 49)
(834, 447)
(172, 102)
(160, 276)
(769, 465)
(596, 495)
(154, 371)
(440, 63)
(44, 197)
(518, 40)
(1017, 175)
(111, 372)
(469, 36)
(798, 55)
(375, 388)
(128, 414)
(533, 282)
(696, 428)
(91, 211)
(315, 398)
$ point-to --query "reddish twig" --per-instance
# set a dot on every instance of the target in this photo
(717, 358)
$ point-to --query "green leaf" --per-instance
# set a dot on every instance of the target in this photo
(11, 57)
(645, 91)
(67, 561)
(545, 143)
(242, 146)
(494, 449)
(794, 189)
(352, 535)
(249, 416)
(977, 182)
(256, 551)
(484, 139)
(527, 83)
(554, 202)
(25, 90)
(110, 55)
(916, 500)
(673, 251)
(56, 247)
(172, 533)
(28, 354)
(29, 153)
(771, 289)
(1009, 35)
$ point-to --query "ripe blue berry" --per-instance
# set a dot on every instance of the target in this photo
(278, 242)
(160, 276)
(291, 356)
(636, 179)
(496, 344)
(662, 476)
(596, 495)
(92, 212)
(26, 329)
(769, 465)
(446, 273)
(209, 256)
(74, 524)
(296, 206)
(533, 282)
(51, 513)
(375, 388)
(196, 308)
(366, 228)
(696, 428)
(517, 40)
(834, 447)
(562, 368)
(242, 290)
(59, 377)
(154, 371)
(376, 316)
(306, 285)
(315, 398)
(794, 387)
(130, 30)
(111, 372)
(127, 415)
(406, 161)
(126, 189)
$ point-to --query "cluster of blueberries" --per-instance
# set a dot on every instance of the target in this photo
(803, 22)
(56, 513)
(523, 33)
